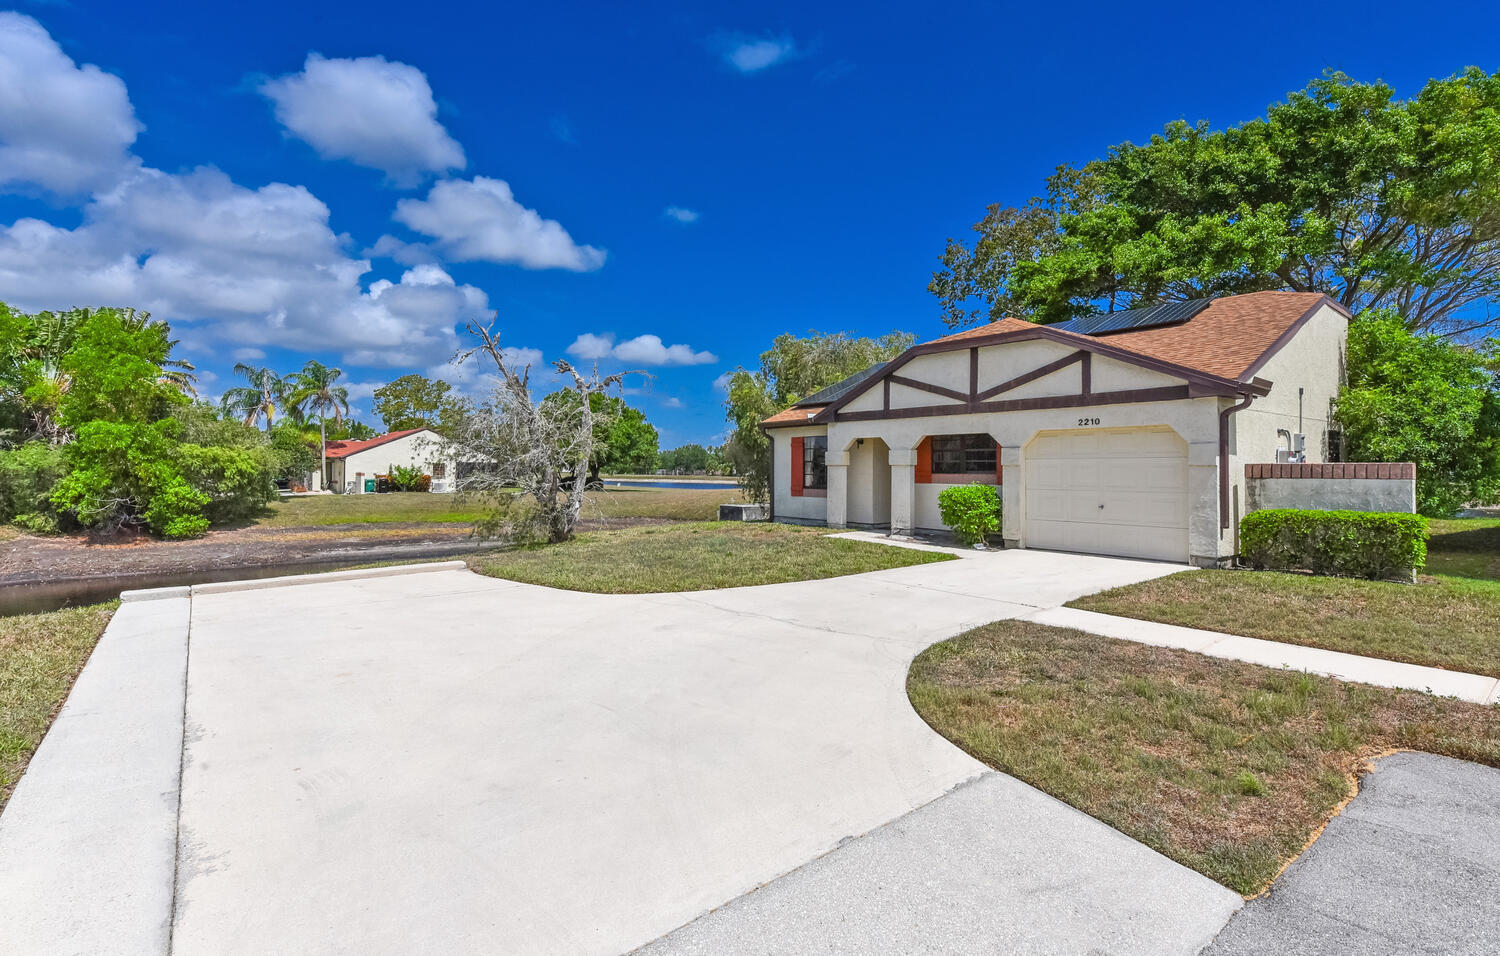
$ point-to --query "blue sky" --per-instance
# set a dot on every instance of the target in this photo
(657, 185)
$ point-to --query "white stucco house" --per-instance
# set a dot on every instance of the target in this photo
(351, 462)
(1124, 433)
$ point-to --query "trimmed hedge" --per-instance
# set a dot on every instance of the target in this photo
(972, 511)
(1360, 544)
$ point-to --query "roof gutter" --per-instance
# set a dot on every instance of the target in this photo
(1224, 414)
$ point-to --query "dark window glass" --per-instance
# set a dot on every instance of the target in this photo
(963, 455)
(814, 456)
(1335, 446)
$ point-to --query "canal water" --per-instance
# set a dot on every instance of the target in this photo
(691, 485)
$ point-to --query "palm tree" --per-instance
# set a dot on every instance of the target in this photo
(256, 400)
(315, 389)
(178, 373)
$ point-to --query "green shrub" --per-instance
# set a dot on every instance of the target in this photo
(403, 478)
(972, 511)
(123, 473)
(237, 481)
(27, 476)
(1361, 544)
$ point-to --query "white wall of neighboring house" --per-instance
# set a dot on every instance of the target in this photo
(426, 450)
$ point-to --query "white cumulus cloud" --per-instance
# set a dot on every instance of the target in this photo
(641, 350)
(63, 127)
(681, 214)
(479, 220)
(748, 54)
(370, 110)
(261, 264)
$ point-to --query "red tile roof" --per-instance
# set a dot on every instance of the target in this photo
(343, 449)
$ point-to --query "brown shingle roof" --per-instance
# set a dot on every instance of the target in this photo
(796, 415)
(1228, 337)
(1225, 339)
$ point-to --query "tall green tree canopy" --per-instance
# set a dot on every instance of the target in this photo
(1423, 398)
(415, 401)
(624, 441)
(1341, 188)
(790, 370)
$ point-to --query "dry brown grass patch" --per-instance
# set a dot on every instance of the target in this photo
(1229, 768)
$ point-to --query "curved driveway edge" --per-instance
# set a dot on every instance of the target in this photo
(88, 841)
(1408, 867)
(995, 866)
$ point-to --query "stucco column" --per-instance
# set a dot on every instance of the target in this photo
(1205, 544)
(838, 488)
(903, 490)
(1011, 496)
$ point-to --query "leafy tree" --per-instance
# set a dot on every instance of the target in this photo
(1423, 398)
(259, 399)
(350, 430)
(624, 441)
(687, 458)
(294, 452)
(791, 369)
(113, 371)
(1341, 188)
(415, 401)
(316, 389)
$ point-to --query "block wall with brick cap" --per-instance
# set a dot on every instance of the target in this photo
(1333, 486)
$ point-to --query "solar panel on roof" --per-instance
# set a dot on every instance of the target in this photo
(837, 390)
(1146, 317)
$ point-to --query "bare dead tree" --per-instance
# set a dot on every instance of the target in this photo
(531, 457)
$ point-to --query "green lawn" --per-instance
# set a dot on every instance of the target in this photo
(40, 654)
(1226, 767)
(667, 503)
(694, 557)
(1450, 618)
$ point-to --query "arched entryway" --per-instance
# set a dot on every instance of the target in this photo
(869, 484)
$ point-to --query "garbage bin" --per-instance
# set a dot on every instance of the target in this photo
(369, 486)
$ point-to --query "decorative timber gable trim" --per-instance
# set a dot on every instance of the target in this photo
(1197, 384)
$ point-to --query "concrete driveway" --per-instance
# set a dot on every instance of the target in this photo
(447, 763)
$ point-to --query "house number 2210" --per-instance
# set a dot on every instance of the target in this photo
(1088, 421)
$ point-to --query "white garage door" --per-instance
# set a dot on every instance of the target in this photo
(1108, 491)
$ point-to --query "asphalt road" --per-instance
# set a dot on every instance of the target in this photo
(1410, 866)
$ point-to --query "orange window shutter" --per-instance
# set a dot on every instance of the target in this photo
(924, 462)
(999, 471)
(797, 466)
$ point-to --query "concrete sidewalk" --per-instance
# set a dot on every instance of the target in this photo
(1476, 688)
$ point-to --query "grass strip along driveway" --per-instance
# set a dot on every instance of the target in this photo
(694, 557)
(40, 655)
(1450, 618)
(1228, 768)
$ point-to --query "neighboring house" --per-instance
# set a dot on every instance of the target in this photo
(351, 462)
(1123, 433)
